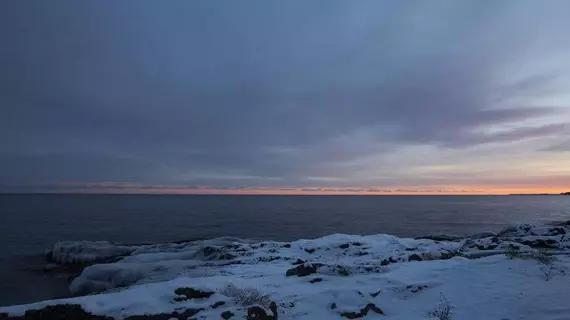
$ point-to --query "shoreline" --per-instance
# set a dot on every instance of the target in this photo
(291, 273)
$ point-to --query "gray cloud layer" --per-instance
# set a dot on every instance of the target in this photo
(272, 93)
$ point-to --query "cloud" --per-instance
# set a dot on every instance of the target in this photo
(281, 95)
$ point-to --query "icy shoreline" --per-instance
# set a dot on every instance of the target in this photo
(333, 277)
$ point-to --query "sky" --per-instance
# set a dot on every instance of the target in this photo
(288, 97)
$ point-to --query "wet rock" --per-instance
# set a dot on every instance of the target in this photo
(299, 261)
(227, 315)
(311, 250)
(287, 245)
(363, 312)
(218, 304)
(333, 306)
(303, 270)
(315, 280)
(344, 246)
(357, 244)
(190, 293)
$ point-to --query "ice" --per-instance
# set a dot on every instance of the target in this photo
(82, 252)
(402, 277)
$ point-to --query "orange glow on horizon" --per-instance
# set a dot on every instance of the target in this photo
(402, 191)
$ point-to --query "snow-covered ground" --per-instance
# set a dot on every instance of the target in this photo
(334, 277)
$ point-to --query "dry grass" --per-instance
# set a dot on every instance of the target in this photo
(245, 296)
(443, 311)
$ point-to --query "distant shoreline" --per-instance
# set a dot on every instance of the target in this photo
(540, 194)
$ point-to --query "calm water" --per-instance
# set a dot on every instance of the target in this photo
(30, 224)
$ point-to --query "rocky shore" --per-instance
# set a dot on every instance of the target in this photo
(517, 273)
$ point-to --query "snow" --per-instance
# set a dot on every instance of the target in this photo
(355, 271)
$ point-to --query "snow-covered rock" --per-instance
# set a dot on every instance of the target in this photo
(333, 277)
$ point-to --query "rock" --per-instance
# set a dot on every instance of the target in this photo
(76, 312)
(440, 237)
(344, 246)
(310, 250)
(227, 256)
(414, 257)
(363, 312)
(358, 244)
(268, 259)
(299, 261)
(258, 313)
(190, 293)
(226, 315)
(218, 304)
(303, 270)
(57, 312)
(445, 255)
(287, 245)
(208, 251)
(273, 308)
(333, 306)
(315, 280)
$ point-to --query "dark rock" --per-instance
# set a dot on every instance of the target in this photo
(227, 256)
(258, 313)
(375, 294)
(410, 249)
(333, 306)
(310, 250)
(272, 250)
(363, 312)
(262, 245)
(208, 251)
(273, 308)
(445, 255)
(268, 259)
(440, 237)
(361, 253)
(556, 231)
(384, 262)
(226, 315)
(299, 261)
(76, 312)
(303, 270)
(414, 289)
(344, 246)
(358, 244)
(287, 245)
(315, 280)
(218, 304)
(57, 312)
(190, 293)
(414, 257)
(541, 243)
(342, 270)
(186, 314)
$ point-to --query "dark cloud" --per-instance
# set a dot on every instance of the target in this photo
(267, 94)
